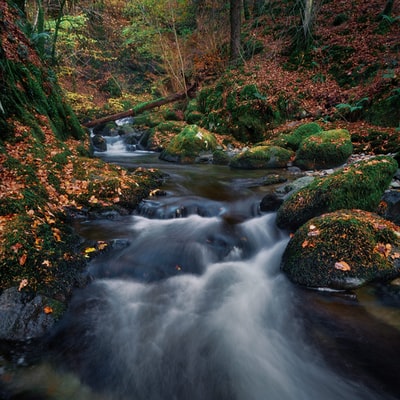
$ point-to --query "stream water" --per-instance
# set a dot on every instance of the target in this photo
(191, 305)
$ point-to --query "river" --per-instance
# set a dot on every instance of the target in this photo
(192, 305)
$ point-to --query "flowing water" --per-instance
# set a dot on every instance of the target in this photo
(191, 305)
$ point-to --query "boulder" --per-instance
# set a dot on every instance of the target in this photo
(360, 185)
(294, 139)
(189, 145)
(23, 316)
(99, 143)
(343, 250)
(262, 157)
(326, 149)
(389, 207)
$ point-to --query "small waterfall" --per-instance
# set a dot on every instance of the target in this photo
(225, 329)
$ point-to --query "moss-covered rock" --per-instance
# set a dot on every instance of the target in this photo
(187, 146)
(360, 185)
(326, 149)
(221, 157)
(294, 139)
(343, 250)
(262, 157)
(160, 135)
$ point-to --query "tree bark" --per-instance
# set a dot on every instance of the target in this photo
(235, 21)
(143, 107)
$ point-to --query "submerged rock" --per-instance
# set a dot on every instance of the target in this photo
(343, 250)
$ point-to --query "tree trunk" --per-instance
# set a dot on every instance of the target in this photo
(235, 20)
(308, 19)
(143, 107)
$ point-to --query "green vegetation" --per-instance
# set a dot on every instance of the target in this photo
(302, 132)
(188, 144)
(262, 157)
(326, 149)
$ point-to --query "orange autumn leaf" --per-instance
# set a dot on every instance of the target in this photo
(101, 245)
(22, 259)
(47, 310)
(16, 247)
(383, 249)
(342, 266)
(57, 234)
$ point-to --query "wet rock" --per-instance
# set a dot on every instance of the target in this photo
(343, 250)
(270, 202)
(23, 317)
(99, 143)
(389, 206)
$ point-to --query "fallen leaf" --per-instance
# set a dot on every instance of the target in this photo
(22, 259)
(342, 266)
(101, 245)
(22, 284)
(383, 249)
(16, 247)
(56, 234)
(47, 310)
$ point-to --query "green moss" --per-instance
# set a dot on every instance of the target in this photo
(359, 186)
(326, 149)
(300, 133)
(261, 157)
(386, 112)
(188, 144)
(220, 157)
(35, 252)
(243, 112)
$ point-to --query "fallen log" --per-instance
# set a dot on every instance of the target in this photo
(143, 107)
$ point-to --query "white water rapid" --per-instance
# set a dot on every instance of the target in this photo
(228, 333)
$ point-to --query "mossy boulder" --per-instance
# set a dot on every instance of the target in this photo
(343, 250)
(302, 132)
(262, 157)
(326, 149)
(360, 185)
(221, 157)
(189, 144)
(159, 136)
